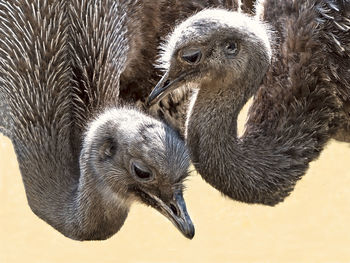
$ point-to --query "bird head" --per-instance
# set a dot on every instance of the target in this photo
(217, 45)
(140, 159)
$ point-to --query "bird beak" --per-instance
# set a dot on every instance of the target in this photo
(164, 87)
(176, 212)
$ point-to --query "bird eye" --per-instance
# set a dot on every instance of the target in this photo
(231, 48)
(140, 171)
(191, 55)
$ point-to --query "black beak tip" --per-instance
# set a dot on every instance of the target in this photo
(185, 223)
(190, 233)
(160, 90)
(151, 100)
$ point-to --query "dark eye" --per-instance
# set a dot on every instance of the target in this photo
(141, 172)
(191, 55)
(231, 48)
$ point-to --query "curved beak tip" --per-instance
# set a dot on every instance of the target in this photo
(190, 232)
(183, 220)
(157, 94)
(163, 88)
(151, 100)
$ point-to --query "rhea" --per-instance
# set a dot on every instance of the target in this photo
(300, 82)
(84, 158)
(149, 21)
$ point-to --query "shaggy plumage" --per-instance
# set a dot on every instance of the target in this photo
(60, 64)
(5, 123)
(148, 23)
(298, 106)
(148, 26)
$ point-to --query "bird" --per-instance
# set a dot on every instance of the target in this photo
(293, 57)
(150, 25)
(84, 156)
(89, 93)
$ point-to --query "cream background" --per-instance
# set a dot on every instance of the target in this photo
(312, 225)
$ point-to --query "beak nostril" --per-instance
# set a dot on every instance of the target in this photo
(174, 209)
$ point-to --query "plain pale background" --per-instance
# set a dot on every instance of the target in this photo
(312, 225)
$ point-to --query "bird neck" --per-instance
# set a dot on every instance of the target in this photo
(263, 165)
(212, 119)
(69, 197)
(101, 211)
